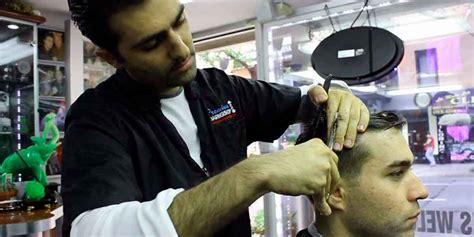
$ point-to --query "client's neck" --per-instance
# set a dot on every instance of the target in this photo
(332, 226)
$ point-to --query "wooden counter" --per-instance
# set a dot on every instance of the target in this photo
(38, 222)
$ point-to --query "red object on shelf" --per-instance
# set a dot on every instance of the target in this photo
(59, 153)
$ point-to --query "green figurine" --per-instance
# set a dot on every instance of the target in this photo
(34, 158)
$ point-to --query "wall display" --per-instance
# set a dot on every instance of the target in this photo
(96, 70)
(5, 121)
(53, 167)
(50, 45)
(19, 71)
(24, 68)
(52, 105)
(56, 105)
(17, 88)
(51, 80)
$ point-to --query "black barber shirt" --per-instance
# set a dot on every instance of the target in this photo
(119, 147)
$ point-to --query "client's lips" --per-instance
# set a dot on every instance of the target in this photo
(183, 66)
(415, 216)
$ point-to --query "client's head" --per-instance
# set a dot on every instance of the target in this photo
(378, 193)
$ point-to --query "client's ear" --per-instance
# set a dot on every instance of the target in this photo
(337, 198)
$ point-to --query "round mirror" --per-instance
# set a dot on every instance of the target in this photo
(358, 55)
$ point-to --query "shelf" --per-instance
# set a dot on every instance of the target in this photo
(5, 133)
(54, 178)
(57, 98)
(17, 82)
(16, 15)
(51, 63)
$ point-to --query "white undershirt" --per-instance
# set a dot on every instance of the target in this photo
(176, 110)
(146, 218)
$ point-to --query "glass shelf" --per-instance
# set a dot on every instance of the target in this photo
(17, 90)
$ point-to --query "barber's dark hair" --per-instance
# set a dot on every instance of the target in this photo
(92, 19)
(352, 160)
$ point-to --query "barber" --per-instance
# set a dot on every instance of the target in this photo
(159, 148)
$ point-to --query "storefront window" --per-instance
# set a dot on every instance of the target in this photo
(237, 59)
(433, 87)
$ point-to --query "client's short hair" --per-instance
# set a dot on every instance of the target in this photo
(352, 160)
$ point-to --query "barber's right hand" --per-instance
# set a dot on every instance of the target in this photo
(309, 169)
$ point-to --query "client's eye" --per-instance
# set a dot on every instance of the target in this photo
(398, 173)
(151, 45)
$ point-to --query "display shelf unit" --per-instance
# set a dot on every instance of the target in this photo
(18, 81)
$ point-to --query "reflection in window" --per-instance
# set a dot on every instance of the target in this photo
(438, 62)
(427, 67)
(238, 59)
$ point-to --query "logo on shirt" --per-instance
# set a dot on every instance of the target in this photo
(222, 113)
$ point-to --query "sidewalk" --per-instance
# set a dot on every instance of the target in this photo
(446, 170)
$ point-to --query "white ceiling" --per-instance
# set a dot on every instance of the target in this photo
(203, 14)
(208, 14)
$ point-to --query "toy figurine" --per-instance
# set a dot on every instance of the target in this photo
(34, 158)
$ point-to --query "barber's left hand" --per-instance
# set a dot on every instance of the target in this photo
(353, 114)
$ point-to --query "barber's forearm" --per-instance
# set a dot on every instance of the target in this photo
(206, 208)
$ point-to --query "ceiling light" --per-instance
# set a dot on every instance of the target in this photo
(384, 4)
(13, 27)
(283, 9)
(185, 1)
(348, 11)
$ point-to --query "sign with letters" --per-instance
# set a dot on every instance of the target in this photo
(449, 103)
(448, 223)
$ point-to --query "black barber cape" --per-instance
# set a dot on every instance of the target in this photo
(119, 146)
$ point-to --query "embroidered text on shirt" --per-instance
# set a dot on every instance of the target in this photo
(222, 113)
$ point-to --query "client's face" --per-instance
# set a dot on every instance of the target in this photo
(385, 200)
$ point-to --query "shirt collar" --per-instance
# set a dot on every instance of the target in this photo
(143, 96)
(133, 91)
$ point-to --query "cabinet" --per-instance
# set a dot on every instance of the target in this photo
(18, 80)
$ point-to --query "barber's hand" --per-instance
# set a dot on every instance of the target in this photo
(309, 169)
(353, 114)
